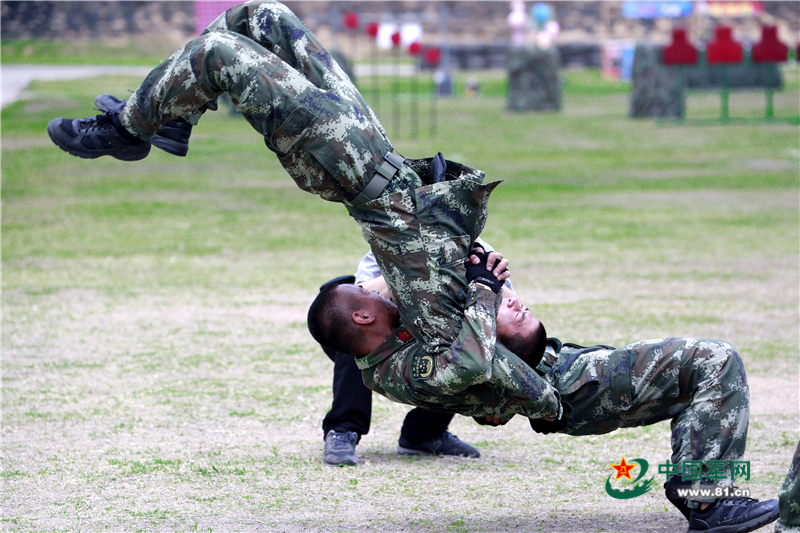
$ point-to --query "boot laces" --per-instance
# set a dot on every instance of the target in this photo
(341, 441)
(100, 122)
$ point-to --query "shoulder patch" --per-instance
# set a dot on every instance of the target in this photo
(422, 366)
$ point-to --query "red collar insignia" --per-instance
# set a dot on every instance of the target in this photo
(404, 336)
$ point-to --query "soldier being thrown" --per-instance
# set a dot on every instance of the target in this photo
(700, 385)
(419, 216)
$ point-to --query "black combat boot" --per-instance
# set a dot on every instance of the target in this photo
(90, 138)
(734, 515)
(173, 137)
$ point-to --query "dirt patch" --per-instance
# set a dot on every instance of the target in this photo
(177, 409)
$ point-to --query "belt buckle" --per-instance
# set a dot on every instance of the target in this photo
(384, 172)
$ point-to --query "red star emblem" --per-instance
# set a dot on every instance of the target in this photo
(404, 335)
(624, 469)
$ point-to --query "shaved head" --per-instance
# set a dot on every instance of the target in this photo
(329, 320)
(529, 344)
(350, 319)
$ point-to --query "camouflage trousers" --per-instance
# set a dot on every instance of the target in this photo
(789, 498)
(700, 385)
(284, 83)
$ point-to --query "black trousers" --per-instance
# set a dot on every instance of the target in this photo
(352, 406)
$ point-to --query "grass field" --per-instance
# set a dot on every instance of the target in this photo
(157, 371)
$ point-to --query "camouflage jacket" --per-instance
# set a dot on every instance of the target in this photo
(420, 235)
(474, 376)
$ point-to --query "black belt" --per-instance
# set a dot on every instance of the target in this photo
(380, 180)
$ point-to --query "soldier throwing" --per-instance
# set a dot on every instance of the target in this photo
(424, 432)
(700, 385)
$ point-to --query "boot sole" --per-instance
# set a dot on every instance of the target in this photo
(402, 450)
(170, 146)
(343, 462)
(410, 451)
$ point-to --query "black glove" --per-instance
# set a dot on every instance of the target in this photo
(540, 425)
(479, 274)
(483, 422)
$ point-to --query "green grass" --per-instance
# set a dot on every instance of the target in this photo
(157, 372)
(84, 52)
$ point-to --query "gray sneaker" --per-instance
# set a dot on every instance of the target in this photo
(444, 444)
(340, 448)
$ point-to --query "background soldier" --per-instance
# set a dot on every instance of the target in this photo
(789, 498)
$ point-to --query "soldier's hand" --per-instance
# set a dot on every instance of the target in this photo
(490, 421)
(498, 265)
(547, 426)
(480, 270)
(494, 262)
(476, 249)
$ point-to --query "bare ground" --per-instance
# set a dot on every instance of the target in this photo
(175, 409)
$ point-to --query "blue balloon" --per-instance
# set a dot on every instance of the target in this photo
(541, 12)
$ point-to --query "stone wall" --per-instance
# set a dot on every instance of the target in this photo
(469, 22)
(94, 20)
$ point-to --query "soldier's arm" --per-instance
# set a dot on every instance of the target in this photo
(528, 393)
(468, 359)
(474, 358)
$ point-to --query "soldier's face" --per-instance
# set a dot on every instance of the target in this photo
(514, 318)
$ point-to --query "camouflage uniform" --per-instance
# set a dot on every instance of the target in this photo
(290, 90)
(789, 498)
(700, 385)
(284, 83)
(475, 377)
